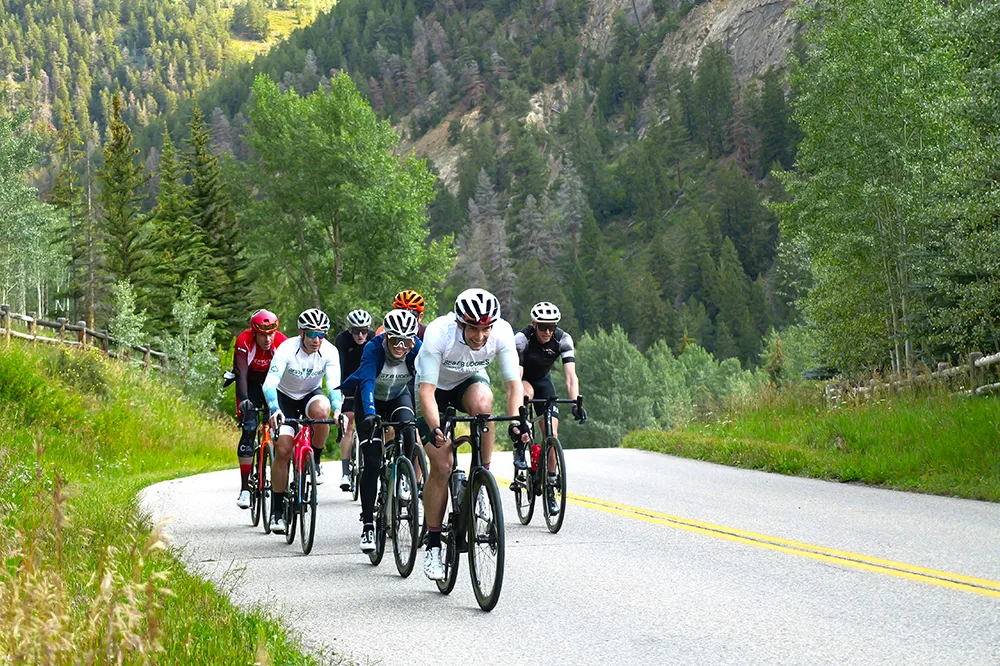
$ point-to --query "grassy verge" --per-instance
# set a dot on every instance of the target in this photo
(85, 579)
(932, 443)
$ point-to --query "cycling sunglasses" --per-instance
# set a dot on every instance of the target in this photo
(400, 343)
(360, 331)
(315, 334)
(545, 328)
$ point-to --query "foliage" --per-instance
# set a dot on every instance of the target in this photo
(193, 358)
(126, 325)
(87, 578)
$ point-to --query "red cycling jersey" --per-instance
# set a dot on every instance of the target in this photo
(251, 363)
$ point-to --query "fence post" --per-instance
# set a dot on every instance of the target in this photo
(6, 322)
(62, 329)
(33, 329)
(81, 335)
(146, 358)
(977, 375)
(104, 341)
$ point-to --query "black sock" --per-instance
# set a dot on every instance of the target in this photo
(346, 466)
(369, 525)
(433, 538)
(317, 454)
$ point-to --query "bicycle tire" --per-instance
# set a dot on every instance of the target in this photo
(267, 497)
(307, 509)
(291, 505)
(255, 487)
(449, 555)
(524, 495)
(554, 523)
(357, 465)
(419, 460)
(381, 509)
(405, 531)
(486, 541)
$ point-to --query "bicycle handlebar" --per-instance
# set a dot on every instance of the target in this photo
(553, 400)
(307, 421)
(450, 419)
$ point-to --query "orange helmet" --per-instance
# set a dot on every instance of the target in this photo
(409, 300)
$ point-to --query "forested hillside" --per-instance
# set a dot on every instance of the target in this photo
(649, 166)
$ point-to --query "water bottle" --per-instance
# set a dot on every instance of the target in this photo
(458, 483)
(536, 453)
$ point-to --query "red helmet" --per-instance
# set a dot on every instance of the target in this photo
(264, 321)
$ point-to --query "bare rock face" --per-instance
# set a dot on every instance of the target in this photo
(757, 34)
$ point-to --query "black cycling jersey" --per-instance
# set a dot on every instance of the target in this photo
(350, 352)
(536, 358)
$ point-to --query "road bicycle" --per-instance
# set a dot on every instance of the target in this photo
(546, 479)
(300, 496)
(475, 522)
(396, 512)
(420, 470)
(260, 474)
(356, 464)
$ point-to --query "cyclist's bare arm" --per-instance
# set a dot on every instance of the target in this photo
(572, 381)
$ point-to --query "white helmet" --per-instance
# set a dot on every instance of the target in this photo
(314, 319)
(545, 313)
(400, 324)
(477, 307)
(359, 319)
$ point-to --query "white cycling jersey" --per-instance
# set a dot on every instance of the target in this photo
(297, 374)
(446, 361)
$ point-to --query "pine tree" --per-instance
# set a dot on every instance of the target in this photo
(731, 296)
(124, 228)
(223, 276)
(67, 196)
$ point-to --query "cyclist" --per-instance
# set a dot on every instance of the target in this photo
(350, 343)
(251, 360)
(383, 385)
(410, 300)
(294, 389)
(538, 347)
(451, 370)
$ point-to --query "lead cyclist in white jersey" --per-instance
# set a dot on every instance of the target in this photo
(293, 389)
(451, 370)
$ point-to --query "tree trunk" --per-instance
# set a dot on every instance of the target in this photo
(307, 266)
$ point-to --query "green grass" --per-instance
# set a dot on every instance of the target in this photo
(281, 23)
(925, 442)
(85, 579)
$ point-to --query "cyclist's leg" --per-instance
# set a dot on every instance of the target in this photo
(248, 422)
(477, 398)
(436, 488)
(371, 449)
(285, 444)
(318, 407)
(401, 409)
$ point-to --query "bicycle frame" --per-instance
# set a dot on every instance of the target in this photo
(303, 444)
(546, 418)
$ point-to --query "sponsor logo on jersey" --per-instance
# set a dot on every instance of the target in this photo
(465, 366)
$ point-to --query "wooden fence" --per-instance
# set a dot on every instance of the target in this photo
(27, 327)
(975, 372)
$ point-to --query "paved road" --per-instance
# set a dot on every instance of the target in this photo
(661, 561)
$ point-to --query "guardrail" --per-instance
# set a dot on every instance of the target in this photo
(975, 370)
(75, 335)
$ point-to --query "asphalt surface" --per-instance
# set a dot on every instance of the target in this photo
(679, 562)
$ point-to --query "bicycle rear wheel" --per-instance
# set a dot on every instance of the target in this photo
(486, 539)
(307, 509)
(524, 495)
(381, 514)
(265, 487)
(357, 465)
(254, 482)
(449, 553)
(556, 487)
(405, 531)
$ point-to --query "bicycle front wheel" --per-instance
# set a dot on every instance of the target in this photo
(524, 495)
(307, 509)
(555, 486)
(405, 531)
(357, 465)
(255, 486)
(381, 514)
(486, 539)
(291, 505)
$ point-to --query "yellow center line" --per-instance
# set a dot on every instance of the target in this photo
(947, 579)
